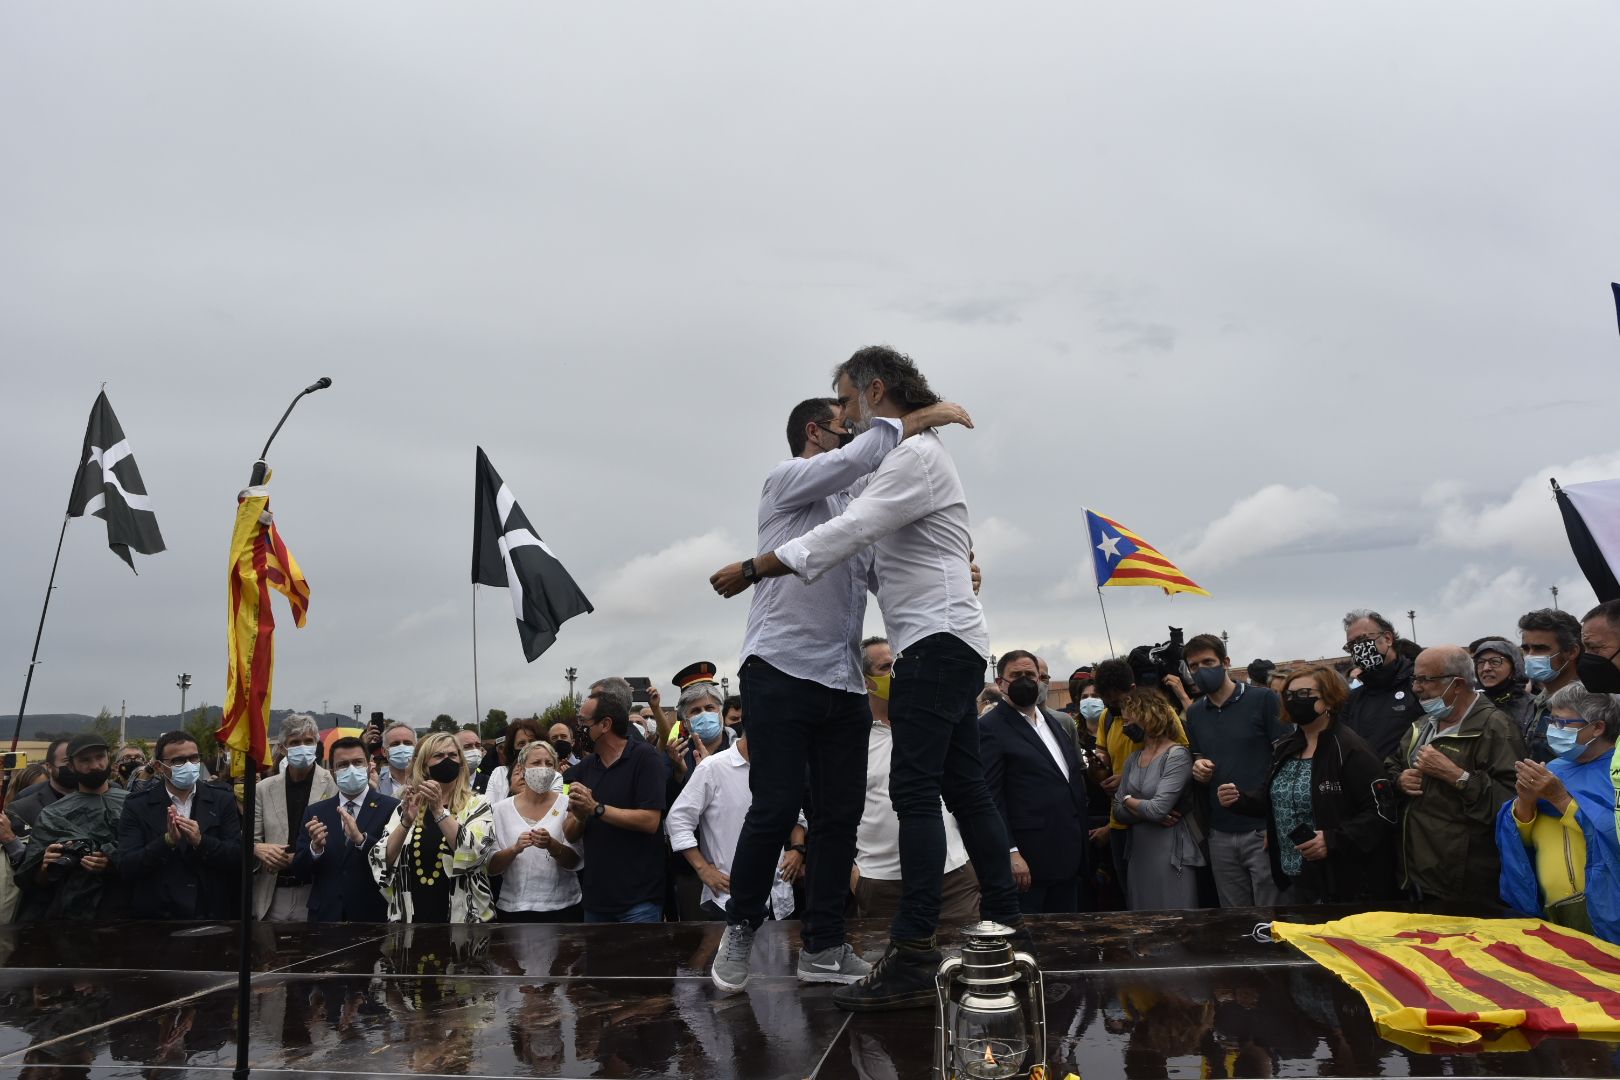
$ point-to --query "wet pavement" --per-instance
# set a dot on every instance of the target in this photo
(1153, 995)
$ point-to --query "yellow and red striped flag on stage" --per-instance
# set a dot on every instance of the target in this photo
(1433, 982)
(1120, 557)
(259, 562)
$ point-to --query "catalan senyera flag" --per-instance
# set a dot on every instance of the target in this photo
(1452, 983)
(1120, 557)
(259, 562)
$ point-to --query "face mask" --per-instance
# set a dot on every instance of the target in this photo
(444, 771)
(706, 726)
(184, 777)
(844, 437)
(93, 778)
(1023, 691)
(1091, 708)
(66, 778)
(1436, 707)
(879, 685)
(1562, 742)
(1134, 732)
(400, 755)
(126, 769)
(300, 757)
(1540, 669)
(1355, 684)
(1366, 655)
(651, 728)
(474, 757)
(352, 779)
(1301, 711)
(1040, 698)
(564, 748)
(538, 778)
(1598, 673)
(1209, 679)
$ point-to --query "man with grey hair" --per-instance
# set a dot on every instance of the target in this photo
(399, 748)
(618, 684)
(278, 895)
(1383, 707)
(1455, 769)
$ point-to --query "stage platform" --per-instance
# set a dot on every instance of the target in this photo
(1162, 995)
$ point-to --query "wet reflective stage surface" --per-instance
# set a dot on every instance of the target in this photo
(1163, 995)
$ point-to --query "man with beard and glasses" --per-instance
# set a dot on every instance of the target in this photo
(913, 515)
(1551, 642)
(1383, 708)
(68, 871)
(803, 691)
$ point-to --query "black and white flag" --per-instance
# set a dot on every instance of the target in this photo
(509, 554)
(109, 486)
(1592, 520)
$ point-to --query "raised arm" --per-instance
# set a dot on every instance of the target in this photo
(802, 481)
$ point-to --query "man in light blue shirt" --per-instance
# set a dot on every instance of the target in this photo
(804, 694)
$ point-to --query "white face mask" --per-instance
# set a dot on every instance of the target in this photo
(473, 758)
(352, 779)
(539, 778)
(300, 757)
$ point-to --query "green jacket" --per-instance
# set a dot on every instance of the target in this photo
(1448, 834)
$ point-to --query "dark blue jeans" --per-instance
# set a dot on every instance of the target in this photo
(791, 723)
(936, 753)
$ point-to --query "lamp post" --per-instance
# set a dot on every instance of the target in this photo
(1555, 597)
(184, 683)
(571, 674)
(1224, 639)
(1411, 617)
(725, 686)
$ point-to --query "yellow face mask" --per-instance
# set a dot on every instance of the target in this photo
(879, 685)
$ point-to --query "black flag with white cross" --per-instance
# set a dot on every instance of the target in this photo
(509, 554)
(108, 485)
(1591, 515)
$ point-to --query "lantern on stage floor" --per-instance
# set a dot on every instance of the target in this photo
(992, 1010)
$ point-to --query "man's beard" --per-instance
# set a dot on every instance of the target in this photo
(861, 422)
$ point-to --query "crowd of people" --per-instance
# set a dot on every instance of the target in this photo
(886, 777)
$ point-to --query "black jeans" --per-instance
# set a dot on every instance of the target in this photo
(936, 753)
(793, 722)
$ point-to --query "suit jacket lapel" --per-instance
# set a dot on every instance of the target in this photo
(1021, 722)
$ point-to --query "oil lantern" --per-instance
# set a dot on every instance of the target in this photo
(992, 1011)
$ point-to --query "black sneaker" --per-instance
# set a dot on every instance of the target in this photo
(901, 979)
(1021, 940)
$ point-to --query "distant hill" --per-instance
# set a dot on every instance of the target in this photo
(50, 725)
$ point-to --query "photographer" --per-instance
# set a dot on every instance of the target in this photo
(67, 871)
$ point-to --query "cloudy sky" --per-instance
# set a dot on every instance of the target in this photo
(1314, 298)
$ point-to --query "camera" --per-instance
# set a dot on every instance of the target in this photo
(73, 853)
(1151, 663)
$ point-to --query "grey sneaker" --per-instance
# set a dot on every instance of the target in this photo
(730, 969)
(836, 965)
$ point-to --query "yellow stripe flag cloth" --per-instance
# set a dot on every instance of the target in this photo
(259, 562)
(1467, 982)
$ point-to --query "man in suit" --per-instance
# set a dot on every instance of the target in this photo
(280, 802)
(333, 843)
(180, 842)
(1038, 783)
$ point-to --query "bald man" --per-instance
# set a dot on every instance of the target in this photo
(1454, 770)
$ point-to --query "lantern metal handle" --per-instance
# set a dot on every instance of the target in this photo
(942, 988)
(1037, 990)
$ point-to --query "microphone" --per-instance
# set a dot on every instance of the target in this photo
(319, 384)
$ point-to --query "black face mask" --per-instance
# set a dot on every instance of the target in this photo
(445, 771)
(1209, 679)
(93, 778)
(844, 437)
(1598, 673)
(564, 748)
(1023, 691)
(126, 769)
(66, 778)
(1301, 711)
(1134, 732)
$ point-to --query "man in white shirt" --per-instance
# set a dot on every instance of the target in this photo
(877, 843)
(913, 514)
(803, 692)
(705, 821)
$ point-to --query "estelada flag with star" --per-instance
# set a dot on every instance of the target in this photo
(1120, 557)
(509, 554)
(260, 562)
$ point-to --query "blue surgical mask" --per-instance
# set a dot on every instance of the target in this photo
(1355, 684)
(400, 755)
(1563, 742)
(300, 757)
(1436, 708)
(706, 726)
(1091, 707)
(352, 779)
(1540, 669)
(183, 777)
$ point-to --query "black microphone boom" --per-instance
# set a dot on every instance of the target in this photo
(260, 469)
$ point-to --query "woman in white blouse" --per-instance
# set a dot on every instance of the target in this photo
(538, 866)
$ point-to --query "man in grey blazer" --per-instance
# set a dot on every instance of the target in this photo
(281, 801)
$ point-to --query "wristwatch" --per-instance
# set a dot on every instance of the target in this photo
(601, 808)
(797, 847)
(1463, 779)
(750, 573)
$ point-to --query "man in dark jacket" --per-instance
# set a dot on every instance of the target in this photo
(335, 836)
(180, 843)
(1383, 708)
(1033, 771)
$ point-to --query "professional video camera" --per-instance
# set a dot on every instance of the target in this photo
(1151, 663)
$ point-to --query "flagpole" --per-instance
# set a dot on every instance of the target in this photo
(1095, 577)
(33, 661)
(478, 717)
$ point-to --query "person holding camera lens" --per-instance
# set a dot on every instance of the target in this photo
(67, 871)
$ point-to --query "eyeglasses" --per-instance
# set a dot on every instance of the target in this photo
(1566, 722)
(1494, 663)
(194, 759)
(1303, 695)
(1431, 680)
